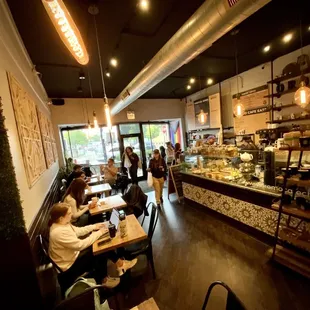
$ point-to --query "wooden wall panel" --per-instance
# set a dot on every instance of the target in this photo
(28, 131)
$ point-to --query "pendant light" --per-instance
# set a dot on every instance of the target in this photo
(96, 126)
(239, 107)
(67, 29)
(94, 10)
(302, 95)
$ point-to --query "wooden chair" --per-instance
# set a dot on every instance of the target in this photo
(145, 246)
(232, 302)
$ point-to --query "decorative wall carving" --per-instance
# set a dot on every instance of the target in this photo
(46, 137)
(28, 131)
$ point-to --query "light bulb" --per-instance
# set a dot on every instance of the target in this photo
(144, 5)
(302, 95)
(96, 126)
(287, 38)
(267, 48)
(188, 87)
(192, 80)
(239, 109)
(202, 117)
(108, 115)
(210, 81)
(89, 126)
(113, 62)
(108, 74)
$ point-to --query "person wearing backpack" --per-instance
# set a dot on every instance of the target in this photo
(158, 168)
(74, 256)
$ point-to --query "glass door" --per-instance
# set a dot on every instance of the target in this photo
(135, 141)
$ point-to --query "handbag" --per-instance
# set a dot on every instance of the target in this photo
(149, 179)
(127, 162)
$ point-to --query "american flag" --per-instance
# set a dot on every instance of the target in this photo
(232, 2)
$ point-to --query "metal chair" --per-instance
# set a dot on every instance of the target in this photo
(145, 247)
(232, 302)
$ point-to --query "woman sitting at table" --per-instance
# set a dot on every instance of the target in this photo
(74, 256)
(75, 196)
(110, 172)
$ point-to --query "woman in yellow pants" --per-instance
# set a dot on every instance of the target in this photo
(158, 168)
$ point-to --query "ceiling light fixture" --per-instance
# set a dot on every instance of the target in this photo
(114, 62)
(287, 38)
(266, 48)
(302, 95)
(209, 81)
(188, 87)
(82, 75)
(192, 80)
(94, 10)
(144, 4)
(96, 126)
(108, 74)
(67, 30)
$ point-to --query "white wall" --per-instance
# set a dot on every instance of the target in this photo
(14, 58)
(252, 78)
(74, 112)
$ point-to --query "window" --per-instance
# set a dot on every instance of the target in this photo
(129, 129)
(95, 146)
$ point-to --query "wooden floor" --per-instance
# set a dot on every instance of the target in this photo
(192, 249)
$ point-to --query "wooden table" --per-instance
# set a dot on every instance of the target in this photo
(98, 189)
(108, 204)
(135, 233)
(149, 304)
(94, 180)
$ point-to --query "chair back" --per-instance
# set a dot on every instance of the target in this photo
(44, 246)
(232, 302)
(153, 220)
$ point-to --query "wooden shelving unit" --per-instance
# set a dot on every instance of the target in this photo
(292, 243)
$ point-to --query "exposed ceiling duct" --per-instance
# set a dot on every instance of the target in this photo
(209, 23)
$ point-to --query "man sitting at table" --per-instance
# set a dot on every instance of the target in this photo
(73, 174)
(110, 172)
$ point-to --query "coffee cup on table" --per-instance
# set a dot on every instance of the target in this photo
(94, 200)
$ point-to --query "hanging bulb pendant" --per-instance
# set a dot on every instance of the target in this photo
(239, 109)
(302, 95)
(96, 126)
(107, 113)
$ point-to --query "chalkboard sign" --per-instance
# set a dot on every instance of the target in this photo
(175, 181)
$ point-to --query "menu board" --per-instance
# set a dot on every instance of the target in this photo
(175, 181)
(211, 106)
(256, 110)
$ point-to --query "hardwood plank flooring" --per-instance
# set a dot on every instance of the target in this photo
(192, 249)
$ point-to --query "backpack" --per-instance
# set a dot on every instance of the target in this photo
(80, 285)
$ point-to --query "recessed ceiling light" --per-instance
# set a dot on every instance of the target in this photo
(82, 75)
(192, 80)
(108, 74)
(287, 38)
(144, 5)
(309, 28)
(188, 87)
(113, 62)
(266, 48)
(209, 81)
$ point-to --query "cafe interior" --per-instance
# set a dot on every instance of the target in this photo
(155, 154)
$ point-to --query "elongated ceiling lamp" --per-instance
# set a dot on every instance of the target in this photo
(94, 10)
(67, 30)
(302, 95)
(239, 107)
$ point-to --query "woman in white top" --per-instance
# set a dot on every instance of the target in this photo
(73, 255)
(75, 196)
(170, 153)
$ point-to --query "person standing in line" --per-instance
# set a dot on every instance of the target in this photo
(134, 161)
(170, 153)
(177, 153)
(162, 152)
(158, 168)
(74, 256)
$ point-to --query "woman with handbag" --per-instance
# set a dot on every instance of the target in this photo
(158, 168)
(131, 161)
